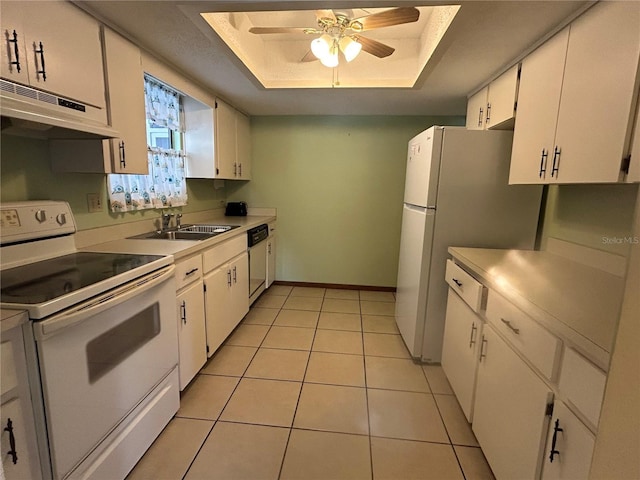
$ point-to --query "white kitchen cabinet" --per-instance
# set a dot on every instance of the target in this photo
(226, 284)
(125, 92)
(462, 334)
(192, 336)
(569, 446)
(477, 109)
(510, 411)
(494, 106)
(576, 99)
(217, 141)
(58, 47)
(271, 256)
(17, 421)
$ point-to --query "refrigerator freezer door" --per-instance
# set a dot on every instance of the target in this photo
(413, 273)
(423, 163)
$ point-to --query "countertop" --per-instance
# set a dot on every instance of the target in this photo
(12, 318)
(578, 303)
(182, 248)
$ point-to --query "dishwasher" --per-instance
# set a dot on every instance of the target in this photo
(257, 260)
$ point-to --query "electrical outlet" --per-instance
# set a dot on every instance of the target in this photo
(94, 202)
(222, 203)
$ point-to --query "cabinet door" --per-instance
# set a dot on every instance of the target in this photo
(240, 291)
(14, 46)
(538, 102)
(243, 140)
(509, 418)
(71, 48)
(219, 318)
(634, 166)
(570, 445)
(477, 109)
(225, 140)
(460, 350)
(501, 104)
(22, 469)
(271, 261)
(597, 93)
(125, 91)
(191, 332)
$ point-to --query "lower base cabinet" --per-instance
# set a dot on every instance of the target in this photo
(510, 417)
(191, 332)
(226, 299)
(569, 446)
(460, 350)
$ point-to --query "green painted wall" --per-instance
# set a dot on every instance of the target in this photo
(596, 216)
(337, 184)
(25, 174)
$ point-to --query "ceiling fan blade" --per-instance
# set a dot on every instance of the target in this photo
(309, 57)
(268, 30)
(374, 47)
(320, 14)
(395, 16)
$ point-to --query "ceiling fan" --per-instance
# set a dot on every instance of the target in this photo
(338, 32)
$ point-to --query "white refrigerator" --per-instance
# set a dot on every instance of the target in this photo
(456, 194)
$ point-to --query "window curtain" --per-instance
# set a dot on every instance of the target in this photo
(165, 185)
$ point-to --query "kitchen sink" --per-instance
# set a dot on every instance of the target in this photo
(188, 232)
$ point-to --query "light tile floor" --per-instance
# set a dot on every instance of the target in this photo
(316, 384)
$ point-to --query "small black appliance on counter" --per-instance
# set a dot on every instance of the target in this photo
(236, 209)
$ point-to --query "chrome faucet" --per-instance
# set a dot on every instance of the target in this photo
(178, 220)
(166, 220)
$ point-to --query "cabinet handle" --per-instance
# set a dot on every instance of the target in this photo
(240, 169)
(543, 162)
(183, 312)
(480, 117)
(235, 275)
(191, 272)
(472, 338)
(483, 354)
(457, 282)
(556, 161)
(16, 52)
(487, 119)
(555, 452)
(12, 441)
(42, 72)
(508, 324)
(269, 248)
(235, 169)
(229, 278)
(123, 159)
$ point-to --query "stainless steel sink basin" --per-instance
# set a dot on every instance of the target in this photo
(188, 232)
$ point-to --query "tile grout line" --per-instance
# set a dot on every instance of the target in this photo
(366, 387)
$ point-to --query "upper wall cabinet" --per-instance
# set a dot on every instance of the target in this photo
(494, 106)
(125, 91)
(217, 141)
(576, 99)
(53, 46)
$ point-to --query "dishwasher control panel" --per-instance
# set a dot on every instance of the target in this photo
(257, 234)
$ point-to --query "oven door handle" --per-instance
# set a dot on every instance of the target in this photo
(55, 324)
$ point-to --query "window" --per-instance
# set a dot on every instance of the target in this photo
(165, 186)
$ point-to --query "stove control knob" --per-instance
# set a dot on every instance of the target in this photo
(41, 216)
(61, 218)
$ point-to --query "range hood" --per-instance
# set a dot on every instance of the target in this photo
(29, 112)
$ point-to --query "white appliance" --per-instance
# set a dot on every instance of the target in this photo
(103, 358)
(456, 194)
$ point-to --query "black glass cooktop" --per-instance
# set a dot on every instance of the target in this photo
(42, 281)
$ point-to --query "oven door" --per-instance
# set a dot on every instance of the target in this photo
(100, 359)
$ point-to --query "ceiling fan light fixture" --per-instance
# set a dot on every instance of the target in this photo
(350, 48)
(321, 46)
(331, 59)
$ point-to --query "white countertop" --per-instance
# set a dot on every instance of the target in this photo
(578, 303)
(12, 318)
(182, 248)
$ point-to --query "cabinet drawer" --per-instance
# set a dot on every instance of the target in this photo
(188, 271)
(469, 289)
(537, 344)
(582, 383)
(224, 252)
